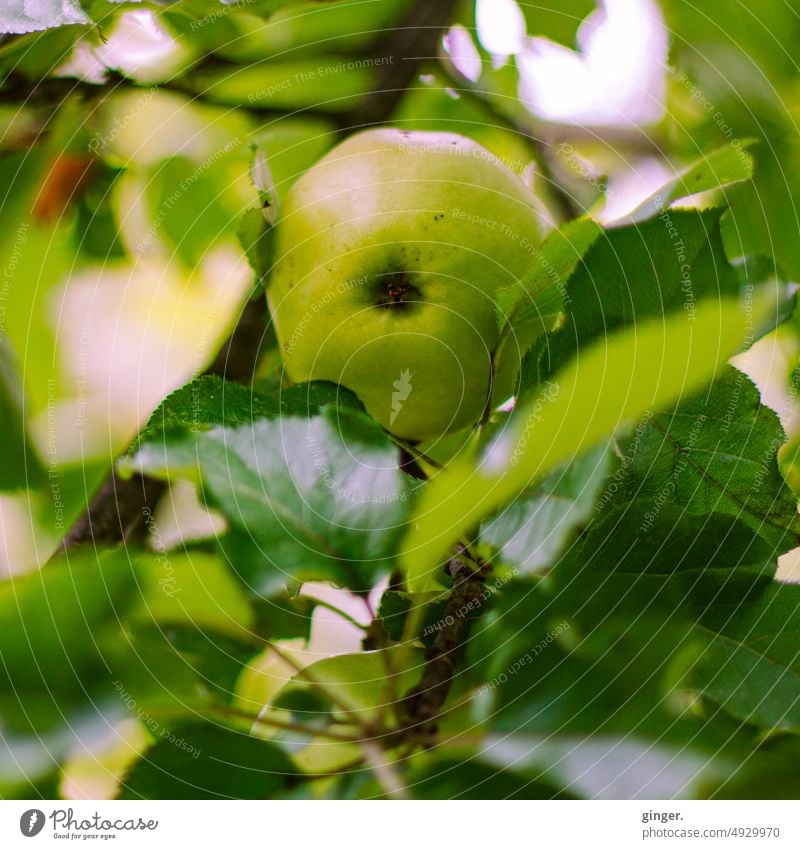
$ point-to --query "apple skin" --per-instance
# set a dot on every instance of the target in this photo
(389, 254)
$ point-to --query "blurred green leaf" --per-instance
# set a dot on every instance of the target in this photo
(206, 761)
(20, 466)
(368, 683)
(470, 777)
(186, 206)
(329, 84)
(752, 664)
(609, 384)
(556, 19)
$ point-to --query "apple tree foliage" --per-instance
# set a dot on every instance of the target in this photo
(580, 599)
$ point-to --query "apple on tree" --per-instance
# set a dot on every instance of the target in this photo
(390, 252)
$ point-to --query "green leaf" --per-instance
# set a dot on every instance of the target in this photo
(769, 773)
(392, 612)
(654, 268)
(207, 761)
(309, 499)
(19, 16)
(556, 260)
(715, 453)
(751, 666)
(625, 540)
(611, 383)
(566, 669)
(185, 205)
(367, 682)
(283, 616)
(256, 236)
(329, 84)
(531, 532)
(214, 658)
(556, 19)
(306, 498)
(471, 777)
(55, 631)
(190, 587)
(723, 167)
(744, 625)
(209, 401)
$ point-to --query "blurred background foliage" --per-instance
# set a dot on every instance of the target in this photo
(129, 134)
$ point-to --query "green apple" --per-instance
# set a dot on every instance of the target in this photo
(390, 252)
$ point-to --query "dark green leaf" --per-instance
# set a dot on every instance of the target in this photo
(662, 265)
(206, 761)
(208, 401)
(715, 453)
(308, 498)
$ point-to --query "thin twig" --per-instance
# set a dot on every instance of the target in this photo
(118, 512)
(384, 771)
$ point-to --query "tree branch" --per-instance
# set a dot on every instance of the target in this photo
(405, 47)
(118, 512)
(412, 42)
(422, 705)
